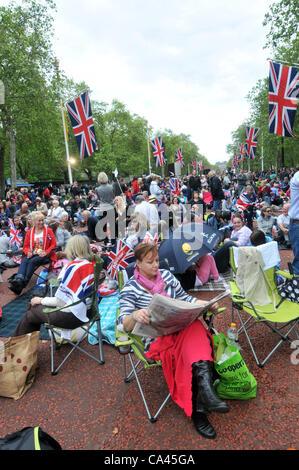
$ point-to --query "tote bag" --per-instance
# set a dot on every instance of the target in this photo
(18, 361)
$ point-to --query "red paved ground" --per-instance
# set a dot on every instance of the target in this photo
(87, 406)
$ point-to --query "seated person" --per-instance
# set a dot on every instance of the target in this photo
(78, 253)
(187, 356)
(61, 234)
(266, 222)
(283, 222)
(38, 248)
(54, 213)
(239, 237)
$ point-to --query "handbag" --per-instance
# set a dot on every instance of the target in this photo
(18, 361)
(289, 290)
(29, 438)
(235, 382)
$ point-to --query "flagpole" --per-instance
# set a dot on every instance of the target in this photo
(64, 128)
(66, 144)
(283, 62)
(148, 150)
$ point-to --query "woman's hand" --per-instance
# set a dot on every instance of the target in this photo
(29, 254)
(212, 308)
(42, 253)
(142, 316)
(36, 301)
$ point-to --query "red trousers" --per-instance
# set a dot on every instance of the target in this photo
(178, 352)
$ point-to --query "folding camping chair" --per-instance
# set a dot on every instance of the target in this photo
(139, 362)
(280, 316)
(56, 334)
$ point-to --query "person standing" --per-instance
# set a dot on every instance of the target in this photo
(216, 190)
(294, 220)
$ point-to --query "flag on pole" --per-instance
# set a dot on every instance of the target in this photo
(251, 141)
(200, 165)
(193, 164)
(179, 156)
(283, 87)
(241, 150)
(83, 126)
(158, 151)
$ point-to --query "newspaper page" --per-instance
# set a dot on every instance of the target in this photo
(169, 315)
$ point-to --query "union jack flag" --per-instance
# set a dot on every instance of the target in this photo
(15, 237)
(200, 164)
(251, 141)
(193, 164)
(120, 256)
(174, 186)
(179, 156)
(83, 126)
(77, 283)
(151, 238)
(158, 151)
(283, 85)
(241, 150)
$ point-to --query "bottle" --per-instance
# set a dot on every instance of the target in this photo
(232, 335)
(125, 349)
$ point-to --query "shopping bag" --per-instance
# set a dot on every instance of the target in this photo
(18, 361)
(235, 381)
(29, 438)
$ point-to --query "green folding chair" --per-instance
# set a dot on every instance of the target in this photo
(280, 316)
(138, 362)
(94, 317)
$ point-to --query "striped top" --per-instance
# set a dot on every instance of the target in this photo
(134, 297)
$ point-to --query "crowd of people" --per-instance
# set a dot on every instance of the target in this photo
(66, 221)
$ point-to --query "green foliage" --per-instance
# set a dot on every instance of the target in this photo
(283, 40)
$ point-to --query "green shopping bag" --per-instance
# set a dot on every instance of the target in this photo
(235, 381)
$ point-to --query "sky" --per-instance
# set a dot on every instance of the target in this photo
(184, 65)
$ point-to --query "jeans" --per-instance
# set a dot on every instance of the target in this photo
(29, 265)
(294, 236)
(217, 205)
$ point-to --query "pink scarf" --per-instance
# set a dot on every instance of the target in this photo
(155, 287)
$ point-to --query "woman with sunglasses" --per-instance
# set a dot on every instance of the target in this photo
(266, 222)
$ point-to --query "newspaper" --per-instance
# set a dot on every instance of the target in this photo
(169, 315)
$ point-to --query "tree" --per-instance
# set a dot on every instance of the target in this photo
(28, 72)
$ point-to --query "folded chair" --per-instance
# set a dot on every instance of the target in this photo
(280, 316)
(94, 317)
(132, 351)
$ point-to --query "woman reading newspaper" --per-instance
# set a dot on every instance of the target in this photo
(187, 355)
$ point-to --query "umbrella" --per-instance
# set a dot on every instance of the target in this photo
(187, 244)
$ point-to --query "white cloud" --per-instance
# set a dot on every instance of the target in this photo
(183, 65)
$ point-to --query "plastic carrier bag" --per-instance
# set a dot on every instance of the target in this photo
(30, 438)
(235, 381)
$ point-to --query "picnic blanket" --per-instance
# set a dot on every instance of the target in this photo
(13, 312)
(222, 284)
(107, 309)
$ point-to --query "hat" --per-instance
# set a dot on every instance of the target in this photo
(152, 198)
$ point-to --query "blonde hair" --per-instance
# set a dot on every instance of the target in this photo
(142, 221)
(78, 247)
(36, 215)
(121, 205)
(102, 178)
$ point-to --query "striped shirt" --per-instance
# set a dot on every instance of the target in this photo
(134, 297)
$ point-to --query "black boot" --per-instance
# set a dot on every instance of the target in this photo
(203, 425)
(207, 399)
(17, 285)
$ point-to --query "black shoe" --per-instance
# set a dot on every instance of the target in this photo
(203, 425)
(16, 286)
(207, 399)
